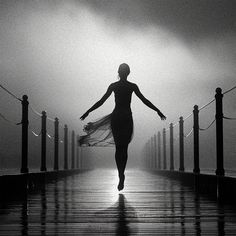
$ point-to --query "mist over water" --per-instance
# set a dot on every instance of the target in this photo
(64, 55)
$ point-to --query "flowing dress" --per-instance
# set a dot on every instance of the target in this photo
(115, 128)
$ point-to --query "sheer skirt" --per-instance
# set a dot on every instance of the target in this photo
(113, 129)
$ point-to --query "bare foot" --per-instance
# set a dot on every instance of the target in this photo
(121, 183)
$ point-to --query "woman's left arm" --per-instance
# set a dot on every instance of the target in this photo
(147, 102)
(99, 103)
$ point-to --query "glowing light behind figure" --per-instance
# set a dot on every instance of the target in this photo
(64, 58)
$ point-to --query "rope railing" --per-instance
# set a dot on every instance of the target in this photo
(203, 107)
(203, 129)
(35, 111)
(206, 105)
(229, 90)
(43, 134)
(9, 121)
(35, 134)
(218, 120)
(229, 118)
(40, 114)
(51, 137)
(10, 93)
(189, 133)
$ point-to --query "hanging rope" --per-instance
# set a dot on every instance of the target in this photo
(51, 119)
(50, 136)
(229, 118)
(208, 125)
(39, 114)
(175, 123)
(207, 104)
(229, 90)
(9, 121)
(186, 136)
(187, 117)
(12, 94)
(34, 111)
(34, 133)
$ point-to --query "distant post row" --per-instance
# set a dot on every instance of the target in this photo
(76, 158)
(154, 159)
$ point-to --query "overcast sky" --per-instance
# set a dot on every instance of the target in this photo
(64, 55)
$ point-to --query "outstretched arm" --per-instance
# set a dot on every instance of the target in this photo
(99, 103)
(148, 103)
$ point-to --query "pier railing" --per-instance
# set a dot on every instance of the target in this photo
(156, 149)
(61, 145)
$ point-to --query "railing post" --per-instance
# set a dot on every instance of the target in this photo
(171, 147)
(152, 152)
(43, 141)
(148, 159)
(181, 144)
(77, 152)
(196, 168)
(164, 148)
(146, 155)
(155, 151)
(56, 143)
(219, 133)
(65, 147)
(25, 124)
(81, 159)
(159, 149)
(73, 149)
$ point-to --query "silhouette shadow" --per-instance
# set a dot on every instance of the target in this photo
(125, 214)
(120, 216)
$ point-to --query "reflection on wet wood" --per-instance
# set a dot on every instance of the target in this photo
(89, 204)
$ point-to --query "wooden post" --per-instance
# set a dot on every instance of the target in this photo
(196, 168)
(219, 133)
(164, 148)
(148, 160)
(77, 151)
(181, 144)
(81, 159)
(56, 143)
(43, 141)
(65, 147)
(73, 149)
(171, 147)
(146, 155)
(155, 151)
(25, 124)
(159, 149)
(152, 153)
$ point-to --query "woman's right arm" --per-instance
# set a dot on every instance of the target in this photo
(99, 103)
(147, 102)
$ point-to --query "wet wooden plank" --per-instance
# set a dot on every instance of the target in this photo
(89, 204)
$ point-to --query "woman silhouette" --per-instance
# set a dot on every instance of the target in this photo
(121, 121)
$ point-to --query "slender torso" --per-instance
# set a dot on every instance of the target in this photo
(123, 92)
(121, 120)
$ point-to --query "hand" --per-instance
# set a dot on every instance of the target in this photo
(161, 115)
(84, 115)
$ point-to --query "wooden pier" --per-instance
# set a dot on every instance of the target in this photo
(89, 204)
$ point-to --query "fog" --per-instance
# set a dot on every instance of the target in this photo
(64, 55)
